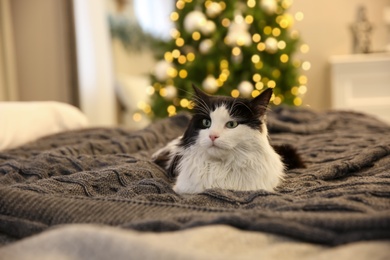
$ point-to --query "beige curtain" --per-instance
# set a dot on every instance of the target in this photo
(8, 81)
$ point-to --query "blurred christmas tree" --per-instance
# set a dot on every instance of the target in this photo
(235, 47)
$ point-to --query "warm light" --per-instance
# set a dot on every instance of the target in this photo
(256, 77)
(236, 51)
(255, 93)
(251, 3)
(223, 5)
(163, 92)
(225, 22)
(168, 56)
(302, 80)
(271, 84)
(259, 85)
(284, 58)
(235, 93)
(286, 4)
(180, 4)
(183, 74)
(306, 65)
(249, 19)
(184, 102)
(277, 101)
(261, 46)
(182, 59)
(179, 42)
(175, 53)
(137, 117)
(255, 58)
(224, 64)
(172, 72)
(297, 101)
(304, 48)
(294, 91)
(267, 30)
(171, 110)
(190, 56)
(175, 33)
(294, 34)
(256, 37)
(276, 32)
(196, 36)
(299, 16)
(281, 45)
(174, 16)
(208, 3)
(302, 89)
(150, 90)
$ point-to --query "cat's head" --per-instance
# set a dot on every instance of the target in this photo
(220, 123)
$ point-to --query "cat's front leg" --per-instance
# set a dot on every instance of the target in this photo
(164, 156)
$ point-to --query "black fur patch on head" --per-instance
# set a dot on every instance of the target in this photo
(245, 111)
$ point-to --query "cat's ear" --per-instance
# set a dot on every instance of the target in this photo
(261, 102)
(199, 93)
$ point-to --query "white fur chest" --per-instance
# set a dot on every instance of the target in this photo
(260, 168)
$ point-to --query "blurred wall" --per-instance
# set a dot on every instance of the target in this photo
(43, 49)
(325, 28)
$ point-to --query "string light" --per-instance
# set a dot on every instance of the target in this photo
(259, 85)
(302, 79)
(297, 101)
(255, 93)
(267, 30)
(282, 45)
(174, 33)
(306, 65)
(295, 91)
(277, 100)
(302, 89)
(251, 3)
(225, 22)
(256, 37)
(175, 53)
(171, 110)
(183, 73)
(168, 56)
(137, 117)
(276, 32)
(223, 5)
(255, 58)
(256, 77)
(235, 93)
(196, 36)
(150, 90)
(249, 19)
(236, 51)
(276, 73)
(304, 48)
(259, 65)
(271, 84)
(261, 46)
(284, 58)
(190, 56)
(299, 16)
(182, 59)
(184, 102)
(179, 42)
(180, 4)
(174, 16)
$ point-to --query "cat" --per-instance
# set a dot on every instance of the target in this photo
(224, 146)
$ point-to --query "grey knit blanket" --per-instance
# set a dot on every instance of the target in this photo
(105, 176)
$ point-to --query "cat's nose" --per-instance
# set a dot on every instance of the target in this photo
(213, 137)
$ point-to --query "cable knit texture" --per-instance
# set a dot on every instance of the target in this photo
(105, 176)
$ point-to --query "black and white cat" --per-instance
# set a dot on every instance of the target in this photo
(225, 146)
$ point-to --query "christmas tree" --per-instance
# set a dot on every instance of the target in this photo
(235, 47)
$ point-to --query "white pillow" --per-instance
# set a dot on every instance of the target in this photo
(23, 122)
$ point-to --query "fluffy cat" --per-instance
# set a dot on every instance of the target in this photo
(225, 146)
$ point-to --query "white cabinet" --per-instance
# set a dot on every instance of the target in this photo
(361, 82)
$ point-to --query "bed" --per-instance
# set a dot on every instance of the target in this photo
(94, 193)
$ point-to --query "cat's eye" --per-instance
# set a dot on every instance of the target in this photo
(206, 123)
(231, 124)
